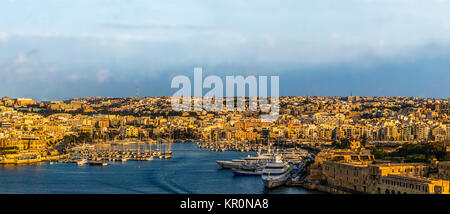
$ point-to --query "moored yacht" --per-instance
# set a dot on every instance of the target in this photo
(261, 159)
(234, 164)
(276, 173)
(82, 162)
(248, 170)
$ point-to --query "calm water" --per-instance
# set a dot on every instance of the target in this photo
(191, 170)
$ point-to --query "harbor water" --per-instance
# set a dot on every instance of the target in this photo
(191, 170)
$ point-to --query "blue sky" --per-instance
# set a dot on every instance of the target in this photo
(59, 49)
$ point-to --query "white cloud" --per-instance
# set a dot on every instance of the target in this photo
(26, 66)
(20, 60)
(73, 77)
(103, 75)
(20, 64)
(446, 26)
(4, 36)
(336, 35)
(152, 24)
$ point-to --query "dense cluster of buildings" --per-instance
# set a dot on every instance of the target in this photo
(312, 118)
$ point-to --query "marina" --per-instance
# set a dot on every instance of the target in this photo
(105, 153)
(190, 170)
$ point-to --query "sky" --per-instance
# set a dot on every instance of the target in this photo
(61, 49)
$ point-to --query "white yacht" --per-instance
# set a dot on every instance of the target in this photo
(82, 162)
(233, 164)
(260, 159)
(248, 170)
(276, 173)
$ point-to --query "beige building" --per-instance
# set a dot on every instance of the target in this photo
(130, 131)
(24, 101)
(351, 177)
(404, 184)
(444, 170)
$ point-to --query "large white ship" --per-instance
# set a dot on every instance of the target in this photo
(276, 173)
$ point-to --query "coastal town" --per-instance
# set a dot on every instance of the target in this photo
(373, 145)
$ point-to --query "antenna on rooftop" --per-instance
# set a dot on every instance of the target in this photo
(137, 91)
